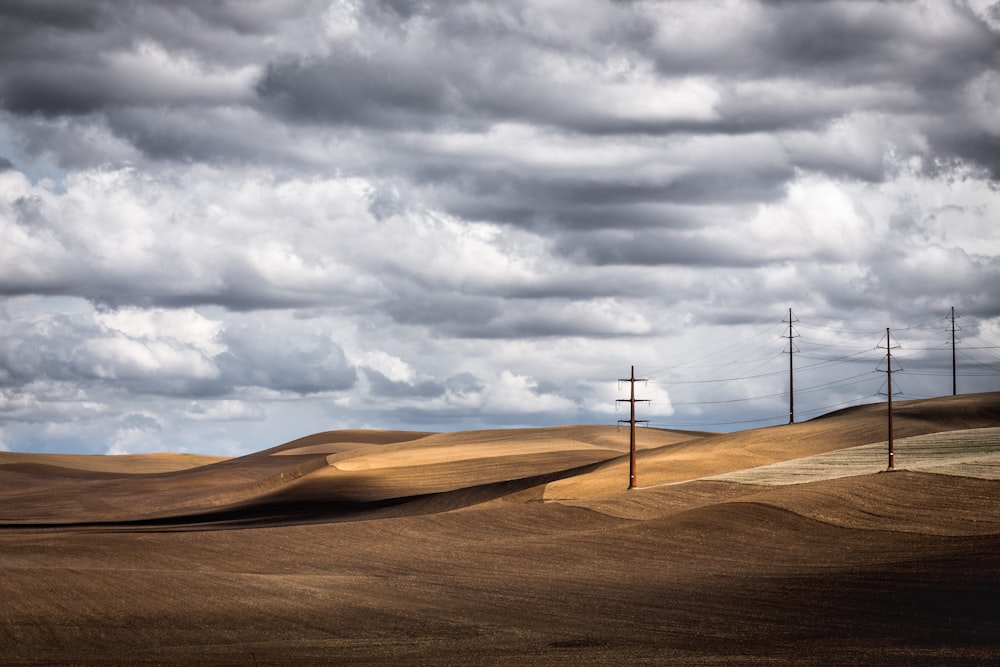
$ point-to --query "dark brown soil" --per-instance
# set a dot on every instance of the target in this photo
(881, 569)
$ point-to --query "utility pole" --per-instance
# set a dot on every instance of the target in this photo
(954, 368)
(632, 400)
(888, 372)
(791, 368)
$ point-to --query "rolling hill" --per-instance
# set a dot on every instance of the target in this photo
(786, 544)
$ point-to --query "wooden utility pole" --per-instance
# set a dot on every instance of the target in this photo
(888, 372)
(888, 377)
(791, 369)
(631, 400)
(954, 368)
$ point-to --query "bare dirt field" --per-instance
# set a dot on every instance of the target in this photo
(784, 545)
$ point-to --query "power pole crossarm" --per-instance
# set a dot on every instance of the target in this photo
(632, 400)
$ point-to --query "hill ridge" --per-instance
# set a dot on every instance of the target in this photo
(378, 467)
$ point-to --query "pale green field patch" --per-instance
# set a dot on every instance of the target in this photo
(968, 453)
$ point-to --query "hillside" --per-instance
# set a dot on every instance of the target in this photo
(786, 544)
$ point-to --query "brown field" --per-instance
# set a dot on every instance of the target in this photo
(783, 545)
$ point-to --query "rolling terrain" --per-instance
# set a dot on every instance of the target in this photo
(785, 545)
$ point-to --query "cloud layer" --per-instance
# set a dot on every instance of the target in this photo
(228, 224)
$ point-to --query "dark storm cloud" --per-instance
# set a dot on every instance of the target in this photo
(694, 187)
(53, 26)
(434, 66)
(354, 89)
(541, 324)
(383, 386)
(837, 41)
(63, 14)
(437, 81)
(443, 87)
(239, 290)
(843, 41)
(70, 58)
(652, 248)
(604, 198)
(886, 57)
(70, 89)
(932, 279)
(557, 201)
(933, 57)
(92, 15)
(983, 149)
(447, 310)
(235, 295)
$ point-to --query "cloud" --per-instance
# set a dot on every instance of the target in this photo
(382, 386)
(146, 75)
(224, 410)
(245, 221)
(83, 349)
(111, 220)
(521, 395)
(353, 89)
(170, 352)
(295, 361)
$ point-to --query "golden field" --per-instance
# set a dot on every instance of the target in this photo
(786, 544)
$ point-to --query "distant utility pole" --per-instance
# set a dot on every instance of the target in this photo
(791, 369)
(632, 400)
(889, 347)
(954, 368)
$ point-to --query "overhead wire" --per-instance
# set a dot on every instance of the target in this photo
(745, 364)
(653, 371)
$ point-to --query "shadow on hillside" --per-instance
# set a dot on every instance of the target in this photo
(273, 513)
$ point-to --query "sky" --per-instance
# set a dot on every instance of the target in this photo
(226, 225)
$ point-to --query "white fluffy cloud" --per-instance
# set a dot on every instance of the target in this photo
(230, 224)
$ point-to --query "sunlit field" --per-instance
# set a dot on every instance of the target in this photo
(788, 544)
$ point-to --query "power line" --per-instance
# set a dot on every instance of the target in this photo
(715, 377)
